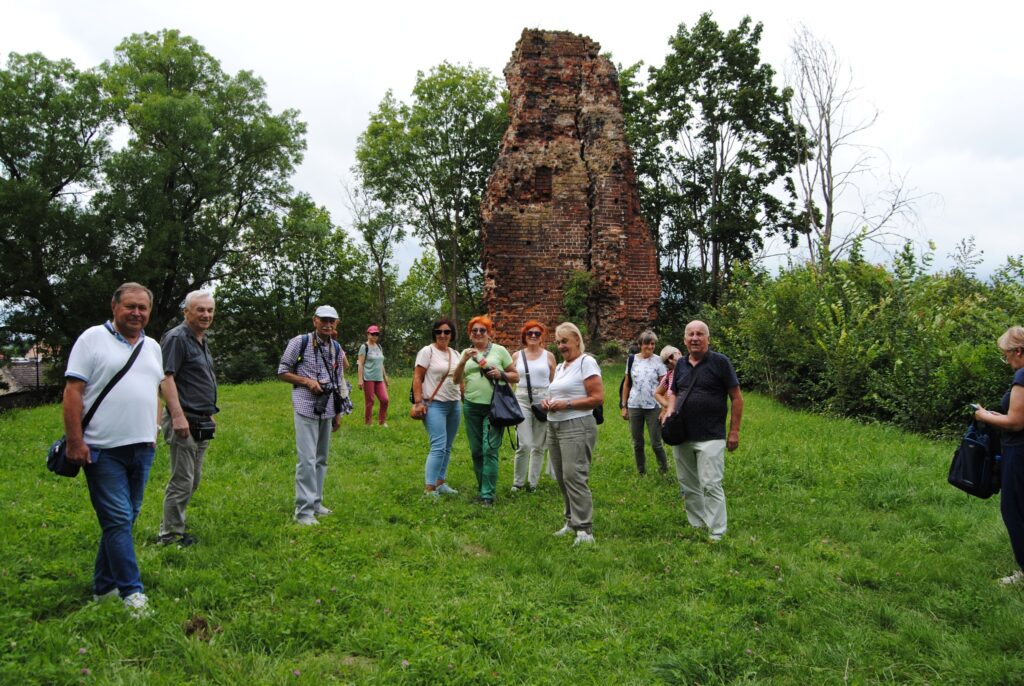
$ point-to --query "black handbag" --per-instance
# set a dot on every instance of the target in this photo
(976, 463)
(673, 430)
(57, 456)
(505, 410)
(539, 412)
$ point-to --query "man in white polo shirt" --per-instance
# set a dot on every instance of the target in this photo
(116, 448)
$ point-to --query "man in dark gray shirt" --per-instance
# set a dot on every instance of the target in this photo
(700, 459)
(188, 420)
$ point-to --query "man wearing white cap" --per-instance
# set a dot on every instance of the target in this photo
(314, 364)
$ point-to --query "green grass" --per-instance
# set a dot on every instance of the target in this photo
(848, 560)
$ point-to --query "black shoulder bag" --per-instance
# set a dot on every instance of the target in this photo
(673, 431)
(57, 457)
(539, 412)
(976, 463)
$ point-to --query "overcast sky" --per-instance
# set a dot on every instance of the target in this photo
(948, 85)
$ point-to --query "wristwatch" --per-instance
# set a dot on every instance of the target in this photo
(568, 404)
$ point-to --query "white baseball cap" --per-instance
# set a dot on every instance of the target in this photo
(325, 312)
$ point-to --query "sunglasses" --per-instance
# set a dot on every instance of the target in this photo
(442, 332)
(478, 329)
(533, 334)
(374, 333)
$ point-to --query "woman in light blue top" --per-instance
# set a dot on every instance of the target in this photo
(644, 372)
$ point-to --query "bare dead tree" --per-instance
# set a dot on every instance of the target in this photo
(847, 189)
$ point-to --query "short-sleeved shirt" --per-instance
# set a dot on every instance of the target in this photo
(440, 368)
(707, 405)
(478, 387)
(128, 414)
(190, 362)
(569, 383)
(373, 362)
(320, 361)
(644, 377)
(1013, 438)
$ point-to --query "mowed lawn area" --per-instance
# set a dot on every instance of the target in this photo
(848, 560)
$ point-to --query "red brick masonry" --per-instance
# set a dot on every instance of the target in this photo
(563, 196)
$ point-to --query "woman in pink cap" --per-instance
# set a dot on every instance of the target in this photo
(372, 377)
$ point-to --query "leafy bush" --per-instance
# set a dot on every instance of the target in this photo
(859, 340)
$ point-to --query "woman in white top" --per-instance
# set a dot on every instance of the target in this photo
(644, 371)
(536, 367)
(575, 391)
(433, 387)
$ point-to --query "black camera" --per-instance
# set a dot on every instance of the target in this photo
(201, 428)
(320, 404)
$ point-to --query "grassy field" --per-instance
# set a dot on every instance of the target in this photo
(848, 560)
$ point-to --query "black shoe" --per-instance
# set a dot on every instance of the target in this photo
(487, 502)
(168, 539)
(186, 540)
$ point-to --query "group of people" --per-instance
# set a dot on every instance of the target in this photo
(115, 374)
(558, 402)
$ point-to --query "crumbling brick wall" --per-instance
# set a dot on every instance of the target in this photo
(563, 196)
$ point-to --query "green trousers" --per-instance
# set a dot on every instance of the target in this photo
(484, 441)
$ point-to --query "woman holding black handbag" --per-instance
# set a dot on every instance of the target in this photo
(481, 364)
(1011, 422)
(536, 367)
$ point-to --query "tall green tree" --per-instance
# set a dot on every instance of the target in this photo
(270, 294)
(728, 145)
(206, 157)
(429, 160)
(54, 136)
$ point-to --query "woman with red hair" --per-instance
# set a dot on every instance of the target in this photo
(481, 365)
(536, 367)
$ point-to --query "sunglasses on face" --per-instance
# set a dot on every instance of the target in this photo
(374, 333)
(478, 330)
(442, 332)
(533, 334)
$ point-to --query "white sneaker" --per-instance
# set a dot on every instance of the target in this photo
(308, 520)
(563, 531)
(322, 511)
(445, 489)
(112, 593)
(138, 605)
(583, 538)
(1014, 578)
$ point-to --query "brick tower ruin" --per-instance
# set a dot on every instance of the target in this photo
(563, 198)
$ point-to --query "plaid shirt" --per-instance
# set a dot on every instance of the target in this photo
(312, 366)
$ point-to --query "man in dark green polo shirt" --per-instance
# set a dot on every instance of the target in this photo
(188, 422)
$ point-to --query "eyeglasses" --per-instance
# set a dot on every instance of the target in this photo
(374, 333)
(534, 334)
(442, 332)
(478, 329)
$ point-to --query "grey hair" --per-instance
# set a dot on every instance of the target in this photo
(195, 295)
(648, 336)
(574, 330)
(1012, 339)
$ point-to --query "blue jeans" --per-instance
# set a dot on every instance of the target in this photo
(442, 424)
(117, 480)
